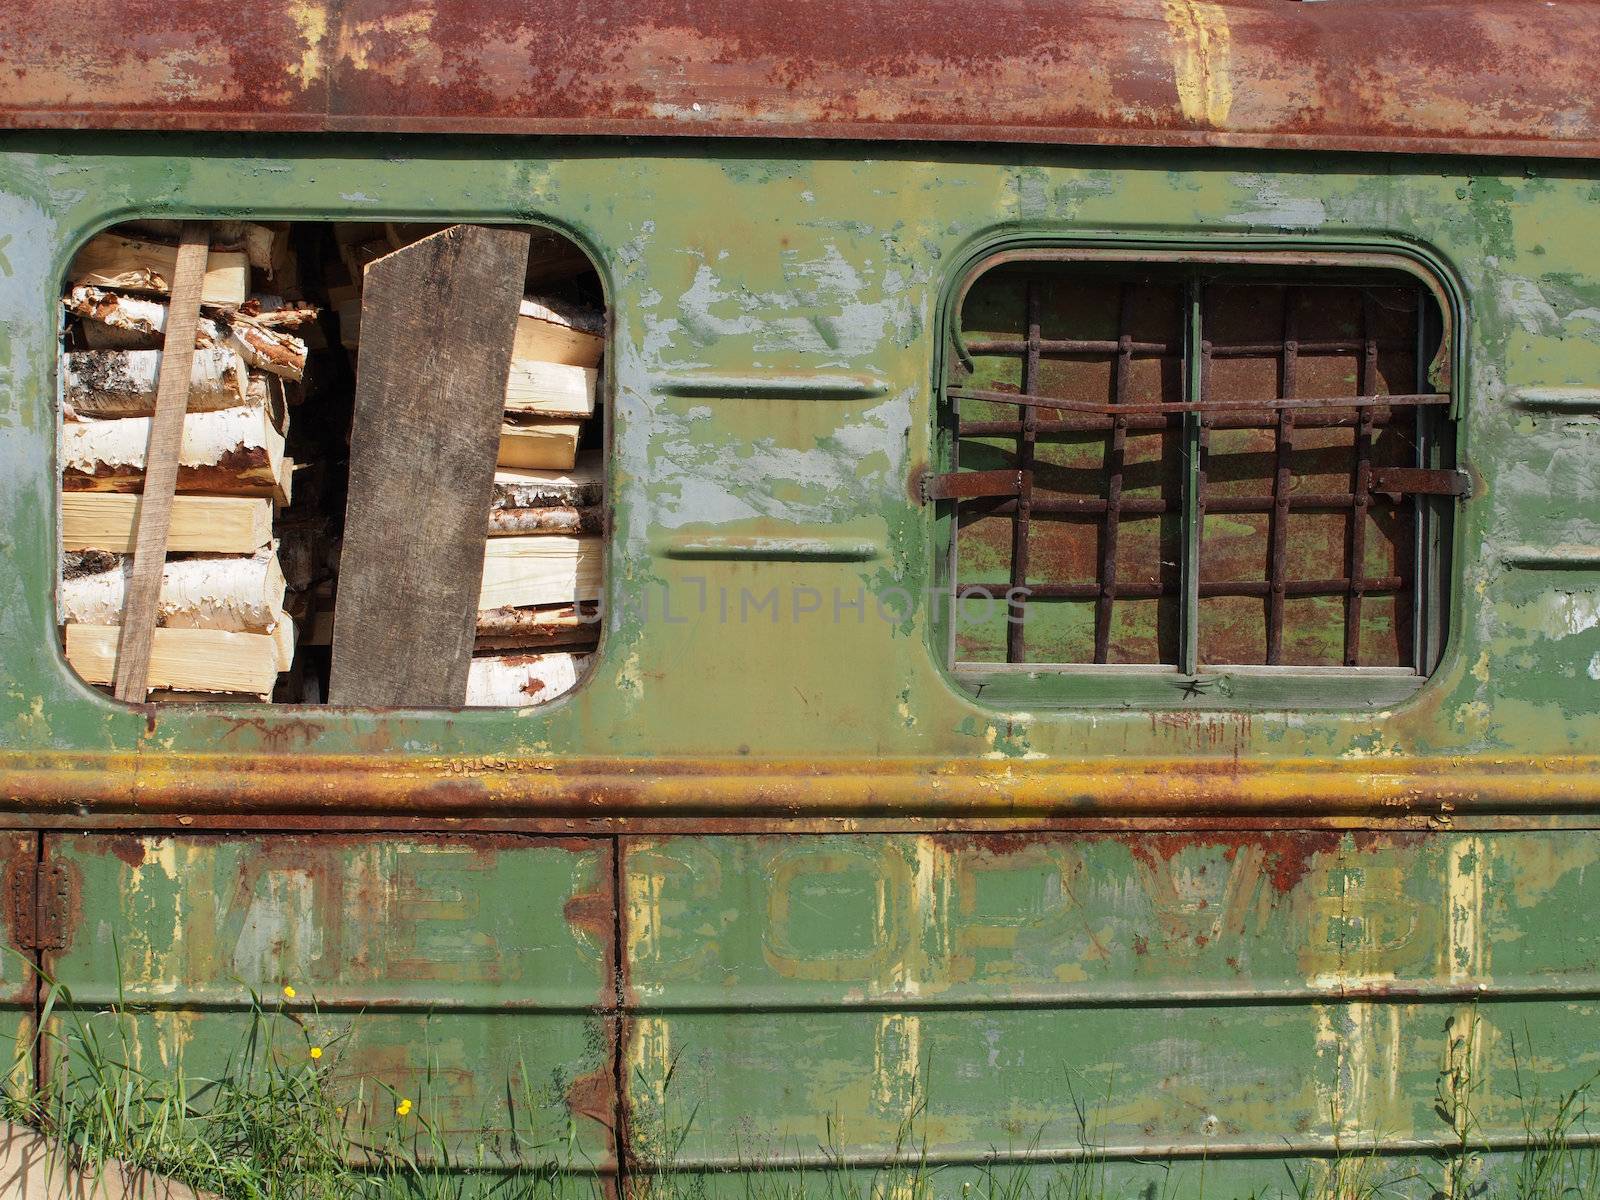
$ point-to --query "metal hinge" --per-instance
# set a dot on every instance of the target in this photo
(40, 900)
(970, 485)
(1419, 481)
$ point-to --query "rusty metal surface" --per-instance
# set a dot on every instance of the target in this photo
(68, 786)
(1432, 77)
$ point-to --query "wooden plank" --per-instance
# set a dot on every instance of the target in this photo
(161, 467)
(439, 316)
(185, 660)
(200, 524)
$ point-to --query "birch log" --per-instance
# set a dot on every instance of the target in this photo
(537, 628)
(234, 451)
(504, 521)
(242, 594)
(520, 680)
(112, 321)
(122, 383)
(576, 487)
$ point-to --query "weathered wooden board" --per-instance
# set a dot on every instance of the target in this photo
(440, 316)
(161, 465)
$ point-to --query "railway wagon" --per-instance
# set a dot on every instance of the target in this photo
(1100, 558)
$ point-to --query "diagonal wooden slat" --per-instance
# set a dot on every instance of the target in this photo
(161, 466)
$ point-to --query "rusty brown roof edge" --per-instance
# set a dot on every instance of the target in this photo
(964, 135)
(1502, 78)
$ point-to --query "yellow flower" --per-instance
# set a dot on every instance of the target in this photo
(316, 1052)
(402, 1108)
(288, 992)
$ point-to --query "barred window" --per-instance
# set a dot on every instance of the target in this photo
(1212, 475)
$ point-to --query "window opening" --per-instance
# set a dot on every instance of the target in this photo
(1165, 468)
(252, 567)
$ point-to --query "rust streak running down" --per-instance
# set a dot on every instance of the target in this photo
(1426, 77)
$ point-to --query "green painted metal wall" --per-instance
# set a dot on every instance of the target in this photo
(1232, 997)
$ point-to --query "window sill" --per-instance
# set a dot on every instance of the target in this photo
(1095, 686)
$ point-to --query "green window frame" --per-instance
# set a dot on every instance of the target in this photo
(1120, 442)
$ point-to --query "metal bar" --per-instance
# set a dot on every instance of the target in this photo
(1282, 480)
(1148, 422)
(1026, 400)
(1327, 346)
(1116, 454)
(1208, 588)
(1017, 610)
(1150, 506)
(1362, 488)
(1197, 380)
(1070, 346)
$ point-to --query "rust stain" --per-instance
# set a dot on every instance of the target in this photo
(1152, 72)
(1286, 857)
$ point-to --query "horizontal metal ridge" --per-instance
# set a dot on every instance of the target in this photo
(771, 549)
(1553, 558)
(1557, 399)
(764, 386)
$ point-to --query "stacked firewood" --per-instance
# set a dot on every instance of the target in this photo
(222, 630)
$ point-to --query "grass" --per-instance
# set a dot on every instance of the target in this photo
(279, 1123)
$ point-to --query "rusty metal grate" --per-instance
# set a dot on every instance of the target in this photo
(1244, 465)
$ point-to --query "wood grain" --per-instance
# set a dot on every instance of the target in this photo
(439, 318)
(161, 465)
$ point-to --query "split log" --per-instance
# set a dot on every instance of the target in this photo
(274, 312)
(544, 389)
(233, 451)
(207, 524)
(507, 521)
(538, 628)
(185, 660)
(113, 321)
(520, 680)
(237, 593)
(577, 487)
(542, 445)
(122, 383)
(548, 569)
(554, 331)
(265, 243)
(113, 261)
